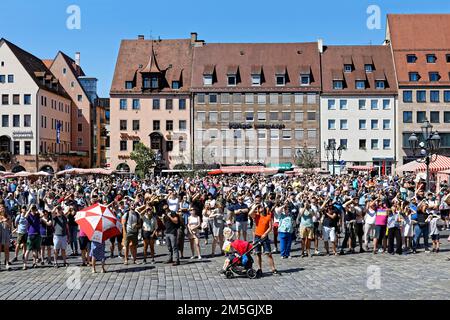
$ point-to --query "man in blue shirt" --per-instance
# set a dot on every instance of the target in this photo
(240, 211)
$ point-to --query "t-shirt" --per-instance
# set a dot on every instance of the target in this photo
(22, 224)
(306, 219)
(34, 224)
(381, 217)
(131, 218)
(173, 204)
(60, 223)
(262, 223)
(329, 222)
(171, 228)
(241, 217)
(371, 216)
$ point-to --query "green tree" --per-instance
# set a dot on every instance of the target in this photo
(306, 159)
(144, 158)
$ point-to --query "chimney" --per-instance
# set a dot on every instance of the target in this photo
(141, 37)
(193, 38)
(320, 45)
(77, 58)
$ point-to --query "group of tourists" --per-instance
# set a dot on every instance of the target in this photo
(319, 215)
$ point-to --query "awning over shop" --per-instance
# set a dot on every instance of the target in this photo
(361, 168)
(442, 163)
(244, 170)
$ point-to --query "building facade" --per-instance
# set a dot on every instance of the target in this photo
(150, 101)
(420, 48)
(36, 114)
(83, 92)
(255, 103)
(358, 105)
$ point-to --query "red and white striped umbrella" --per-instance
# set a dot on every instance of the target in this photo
(98, 222)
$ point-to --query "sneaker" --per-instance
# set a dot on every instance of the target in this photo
(291, 257)
(283, 257)
(158, 242)
(437, 250)
(8, 267)
(192, 258)
(427, 251)
(177, 263)
(24, 267)
(153, 261)
(42, 263)
(144, 261)
(199, 257)
(259, 273)
(55, 265)
(276, 273)
(275, 250)
(125, 262)
(361, 250)
(380, 250)
(14, 260)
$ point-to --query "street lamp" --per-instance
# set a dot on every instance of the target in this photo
(428, 148)
(331, 151)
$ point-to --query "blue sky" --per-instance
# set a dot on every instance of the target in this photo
(39, 26)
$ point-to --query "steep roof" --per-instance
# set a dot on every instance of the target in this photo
(266, 59)
(420, 34)
(172, 57)
(36, 68)
(334, 58)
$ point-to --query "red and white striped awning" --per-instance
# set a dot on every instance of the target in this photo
(441, 163)
(244, 169)
(361, 168)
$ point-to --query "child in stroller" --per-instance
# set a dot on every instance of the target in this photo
(239, 260)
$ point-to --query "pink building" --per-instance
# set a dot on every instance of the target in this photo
(150, 101)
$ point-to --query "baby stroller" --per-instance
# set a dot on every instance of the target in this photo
(242, 262)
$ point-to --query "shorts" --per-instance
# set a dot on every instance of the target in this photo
(84, 242)
(118, 238)
(147, 235)
(131, 239)
(380, 232)
(329, 234)
(306, 232)
(316, 230)
(22, 238)
(241, 225)
(265, 244)
(435, 237)
(60, 242)
(47, 241)
(34, 242)
(445, 213)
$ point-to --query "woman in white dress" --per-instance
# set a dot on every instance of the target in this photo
(407, 228)
(217, 227)
(194, 227)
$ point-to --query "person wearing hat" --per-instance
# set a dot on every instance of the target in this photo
(61, 227)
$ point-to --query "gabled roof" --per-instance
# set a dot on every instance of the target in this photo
(172, 58)
(420, 34)
(333, 66)
(265, 59)
(35, 68)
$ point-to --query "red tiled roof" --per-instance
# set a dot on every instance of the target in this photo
(267, 59)
(334, 58)
(420, 34)
(174, 59)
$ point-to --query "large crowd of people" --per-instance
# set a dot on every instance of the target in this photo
(350, 213)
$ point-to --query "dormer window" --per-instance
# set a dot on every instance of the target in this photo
(128, 85)
(434, 76)
(256, 80)
(207, 80)
(281, 80)
(146, 83)
(231, 80)
(348, 68)
(338, 84)
(380, 84)
(154, 82)
(175, 85)
(368, 68)
(431, 58)
(360, 84)
(411, 58)
(414, 76)
(305, 80)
